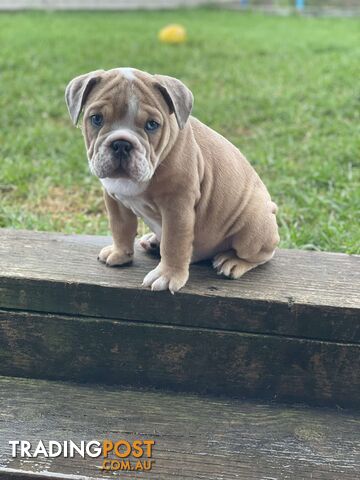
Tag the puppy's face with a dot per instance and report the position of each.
(128, 123)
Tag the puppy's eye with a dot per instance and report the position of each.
(151, 125)
(97, 120)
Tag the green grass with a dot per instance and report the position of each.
(284, 90)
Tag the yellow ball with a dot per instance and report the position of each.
(172, 34)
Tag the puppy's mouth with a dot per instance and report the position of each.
(103, 167)
(119, 172)
(134, 167)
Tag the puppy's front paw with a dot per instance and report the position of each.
(163, 278)
(113, 257)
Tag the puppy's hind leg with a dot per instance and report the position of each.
(150, 243)
(251, 248)
(242, 258)
(229, 264)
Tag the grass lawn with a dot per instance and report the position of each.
(284, 90)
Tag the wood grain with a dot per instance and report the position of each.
(195, 437)
(300, 294)
(86, 349)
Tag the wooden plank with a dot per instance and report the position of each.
(195, 437)
(179, 358)
(300, 294)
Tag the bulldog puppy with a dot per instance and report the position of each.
(195, 190)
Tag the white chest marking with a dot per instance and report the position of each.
(129, 194)
(123, 187)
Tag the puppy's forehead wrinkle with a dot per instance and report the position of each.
(127, 95)
(110, 89)
(106, 87)
(99, 103)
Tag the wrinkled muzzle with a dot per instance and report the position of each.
(121, 154)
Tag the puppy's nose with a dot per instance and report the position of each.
(122, 148)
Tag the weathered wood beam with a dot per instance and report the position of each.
(196, 438)
(302, 294)
(288, 330)
(179, 358)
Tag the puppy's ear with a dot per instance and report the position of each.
(178, 97)
(77, 92)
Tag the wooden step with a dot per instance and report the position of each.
(288, 330)
(195, 437)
